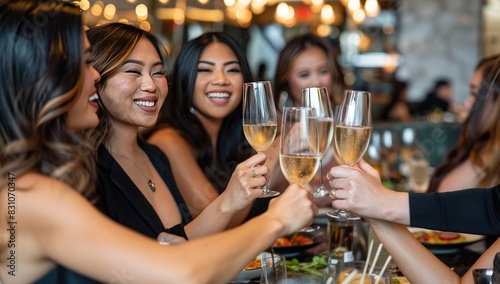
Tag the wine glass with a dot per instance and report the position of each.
(299, 151)
(352, 134)
(318, 99)
(299, 155)
(259, 119)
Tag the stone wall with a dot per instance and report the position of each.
(439, 39)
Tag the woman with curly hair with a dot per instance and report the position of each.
(49, 231)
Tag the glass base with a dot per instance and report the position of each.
(343, 214)
(309, 229)
(270, 193)
(321, 192)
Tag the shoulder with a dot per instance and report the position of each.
(43, 204)
(36, 190)
(170, 141)
(166, 134)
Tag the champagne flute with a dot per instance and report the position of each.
(299, 155)
(259, 120)
(317, 98)
(299, 151)
(352, 135)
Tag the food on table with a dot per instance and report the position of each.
(354, 277)
(297, 241)
(400, 280)
(437, 237)
(256, 263)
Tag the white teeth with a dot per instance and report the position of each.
(218, 95)
(144, 103)
(94, 97)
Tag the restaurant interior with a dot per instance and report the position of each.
(418, 42)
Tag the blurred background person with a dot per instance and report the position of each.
(305, 61)
(438, 100)
(475, 161)
(398, 108)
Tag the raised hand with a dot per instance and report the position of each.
(360, 190)
(246, 182)
(294, 208)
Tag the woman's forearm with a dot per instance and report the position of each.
(416, 262)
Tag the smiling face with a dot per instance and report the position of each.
(310, 69)
(82, 115)
(135, 92)
(219, 82)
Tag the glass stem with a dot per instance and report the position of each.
(321, 173)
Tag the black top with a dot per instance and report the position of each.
(120, 199)
(61, 275)
(474, 211)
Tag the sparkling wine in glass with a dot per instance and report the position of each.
(299, 156)
(259, 119)
(317, 98)
(352, 134)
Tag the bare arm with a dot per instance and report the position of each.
(60, 226)
(194, 186)
(243, 188)
(416, 262)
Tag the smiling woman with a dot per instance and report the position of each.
(136, 185)
(200, 128)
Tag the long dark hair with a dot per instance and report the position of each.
(41, 70)
(232, 147)
(482, 146)
(111, 45)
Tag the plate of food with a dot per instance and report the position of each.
(444, 242)
(253, 269)
(294, 245)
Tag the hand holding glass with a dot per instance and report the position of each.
(317, 98)
(259, 119)
(352, 134)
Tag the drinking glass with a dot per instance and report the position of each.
(317, 98)
(273, 270)
(259, 119)
(299, 151)
(352, 134)
(482, 276)
(299, 155)
(419, 176)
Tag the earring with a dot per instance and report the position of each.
(192, 110)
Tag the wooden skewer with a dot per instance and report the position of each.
(367, 261)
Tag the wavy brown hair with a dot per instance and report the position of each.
(41, 69)
(480, 145)
(111, 46)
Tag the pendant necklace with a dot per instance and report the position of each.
(151, 184)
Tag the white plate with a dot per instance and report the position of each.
(451, 247)
(247, 275)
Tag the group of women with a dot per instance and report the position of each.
(74, 103)
(90, 190)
